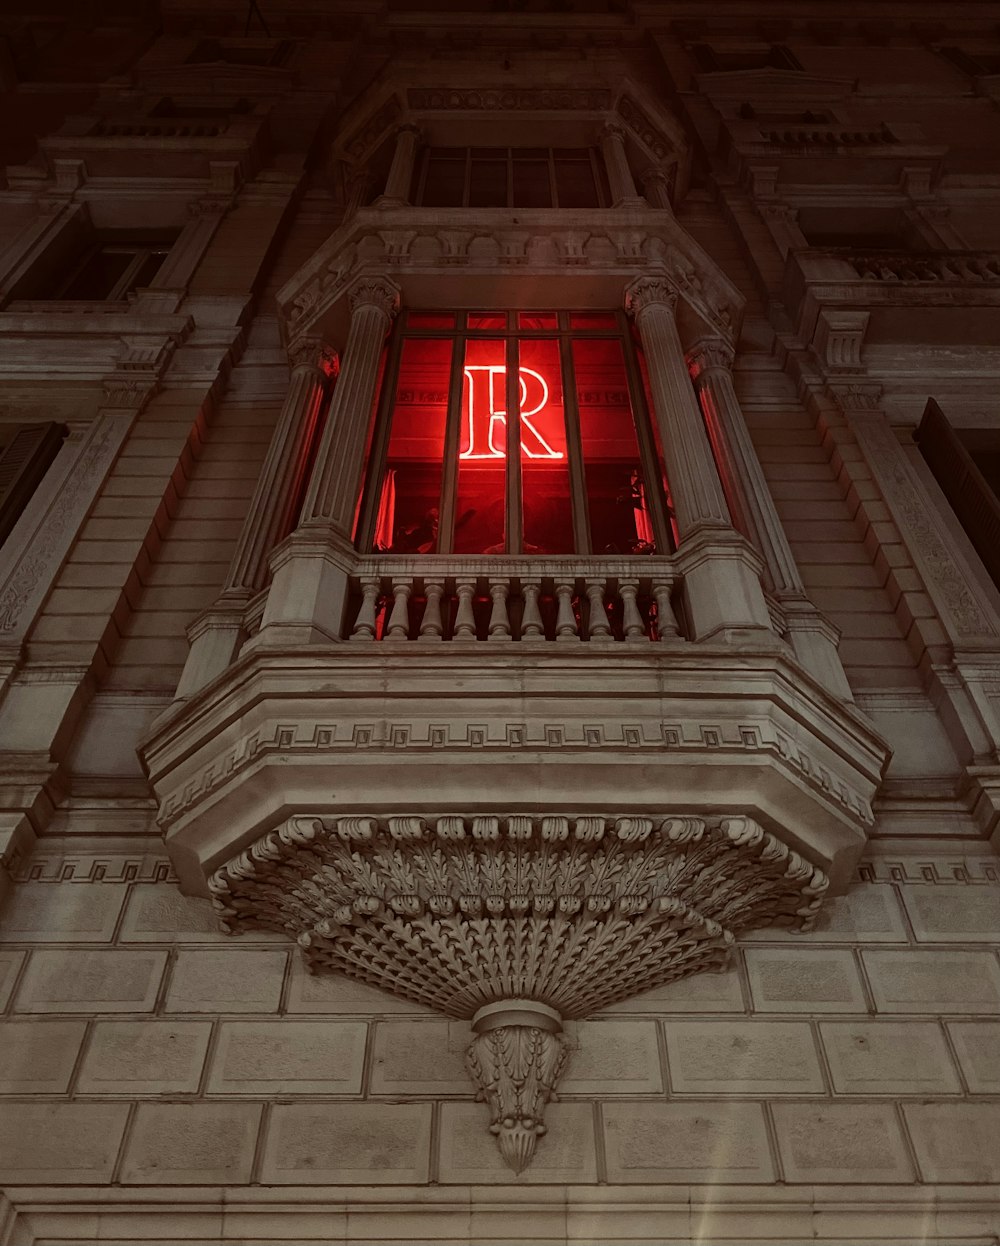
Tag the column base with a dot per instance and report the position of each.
(814, 641)
(722, 589)
(309, 588)
(214, 638)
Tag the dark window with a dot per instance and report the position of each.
(510, 177)
(26, 452)
(111, 270)
(966, 464)
(239, 52)
(578, 472)
(976, 65)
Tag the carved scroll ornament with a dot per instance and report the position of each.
(516, 923)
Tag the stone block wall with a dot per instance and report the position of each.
(139, 1046)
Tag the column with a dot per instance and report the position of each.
(397, 184)
(623, 191)
(721, 571)
(812, 637)
(310, 569)
(216, 634)
(656, 183)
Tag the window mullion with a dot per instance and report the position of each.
(652, 473)
(124, 282)
(452, 440)
(380, 445)
(514, 514)
(468, 177)
(510, 177)
(574, 447)
(553, 187)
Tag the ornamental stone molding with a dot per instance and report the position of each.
(516, 923)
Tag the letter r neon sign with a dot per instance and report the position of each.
(485, 413)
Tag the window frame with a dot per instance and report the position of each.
(126, 283)
(597, 172)
(649, 456)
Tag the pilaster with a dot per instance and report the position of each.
(397, 184)
(623, 190)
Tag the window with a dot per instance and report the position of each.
(511, 177)
(111, 269)
(26, 453)
(976, 65)
(719, 60)
(966, 465)
(578, 472)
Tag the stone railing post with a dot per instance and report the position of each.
(721, 571)
(397, 184)
(812, 637)
(620, 180)
(310, 569)
(215, 635)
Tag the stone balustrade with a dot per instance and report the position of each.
(827, 136)
(945, 266)
(158, 129)
(527, 600)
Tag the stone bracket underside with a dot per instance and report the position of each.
(517, 922)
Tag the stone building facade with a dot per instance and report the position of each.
(600, 806)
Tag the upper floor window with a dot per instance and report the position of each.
(511, 177)
(578, 470)
(26, 453)
(109, 269)
(729, 60)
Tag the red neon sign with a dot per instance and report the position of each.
(484, 413)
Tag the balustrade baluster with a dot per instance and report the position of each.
(632, 623)
(364, 627)
(399, 620)
(566, 626)
(431, 627)
(666, 621)
(499, 628)
(465, 619)
(532, 627)
(598, 627)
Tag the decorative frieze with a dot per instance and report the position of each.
(517, 922)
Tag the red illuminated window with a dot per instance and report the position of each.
(576, 469)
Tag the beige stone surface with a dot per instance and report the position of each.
(37, 1057)
(736, 1057)
(934, 982)
(111, 980)
(716, 1141)
(60, 1142)
(191, 1144)
(956, 1141)
(804, 980)
(288, 1057)
(886, 1057)
(347, 1144)
(868, 913)
(227, 981)
(612, 1058)
(144, 1057)
(705, 992)
(842, 1142)
(62, 913)
(332, 993)
(954, 912)
(158, 913)
(10, 965)
(977, 1045)
(426, 1057)
(470, 1155)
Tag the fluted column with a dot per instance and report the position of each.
(397, 184)
(721, 571)
(311, 568)
(333, 489)
(623, 191)
(813, 637)
(656, 186)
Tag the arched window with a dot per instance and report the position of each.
(579, 470)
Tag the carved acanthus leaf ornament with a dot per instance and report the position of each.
(516, 922)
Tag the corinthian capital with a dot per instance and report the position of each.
(708, 355)
(313, 352)
(377, 292)
(646, 291)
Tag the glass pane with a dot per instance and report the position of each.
(537, 320)
(545, 502)
(488, 184)
(482, 450)
(487, 320)
(531, 183)
(657, 443)
(151, 265)
(101, 273)
(575, 184)
(444, 186)
(408, 513)
(620, 520)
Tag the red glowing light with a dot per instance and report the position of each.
(484, 413)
